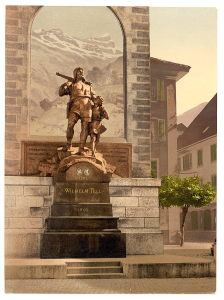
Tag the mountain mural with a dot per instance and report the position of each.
(53, 51)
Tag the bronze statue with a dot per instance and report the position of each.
(79, 106)
(99, 112)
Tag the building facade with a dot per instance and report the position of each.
(197, 155)
(164, 134)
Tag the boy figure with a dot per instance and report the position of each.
(99, 113)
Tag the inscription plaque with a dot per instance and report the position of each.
(81, 192)
(116, 154)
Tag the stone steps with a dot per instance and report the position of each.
(96, 276)
(94, 270)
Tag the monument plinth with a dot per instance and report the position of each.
(81, 224)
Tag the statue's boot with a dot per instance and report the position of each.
(68, 145)
(81, 149)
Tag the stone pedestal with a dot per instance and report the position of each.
(81, 224)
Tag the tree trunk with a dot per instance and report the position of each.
(184, 210)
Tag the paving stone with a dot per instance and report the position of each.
(112, 286)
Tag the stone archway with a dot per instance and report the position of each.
(135, 24)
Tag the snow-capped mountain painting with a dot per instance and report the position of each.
(53, 51)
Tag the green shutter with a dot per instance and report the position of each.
(214, 181)
(154, 168)
(160, 90)
(194, 220)
(161, 130)
(200, 158)
(184, 163)
(190, 160)
(207, 220)
(213, 152)
(179, 164)
(201, 182)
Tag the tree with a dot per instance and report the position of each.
(184, 192)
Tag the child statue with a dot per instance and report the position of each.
(96, 128)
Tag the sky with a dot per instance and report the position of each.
(185, 35)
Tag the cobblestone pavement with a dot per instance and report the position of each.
(113, 286)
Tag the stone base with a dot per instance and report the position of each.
(83, 245)
(144, 243)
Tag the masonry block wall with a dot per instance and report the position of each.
(27, 205)
(17, 75)
(135, 25)
(28, 201)
(136, 203)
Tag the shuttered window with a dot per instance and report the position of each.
(187, 162)
(207, 220)
(160, 90)
(213, 152)
(179, 164)
(154, 168)
(194, 220)
(200, 157)
(213, 180)
(161, 130)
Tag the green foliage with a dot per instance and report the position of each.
(177, 191)
(153, 174)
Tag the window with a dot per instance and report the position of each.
(153, 89)
(187, 162)
(200, 157)
(201, 182)
(207, 220)
(179, 164)
(160, 90)
(154, 130)
(213, 152)
(213, 180)
(154, 169)
(161, 130)
(194, 220)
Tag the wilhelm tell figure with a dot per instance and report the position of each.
(79, 106)
(99, 112)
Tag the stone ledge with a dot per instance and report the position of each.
(144, 182)
(23, 231)
(35, 272)
(26, 180)
(139, 230)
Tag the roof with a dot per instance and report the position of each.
(170, 68)
(181, 127)
(202, 127)
(157, 61)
